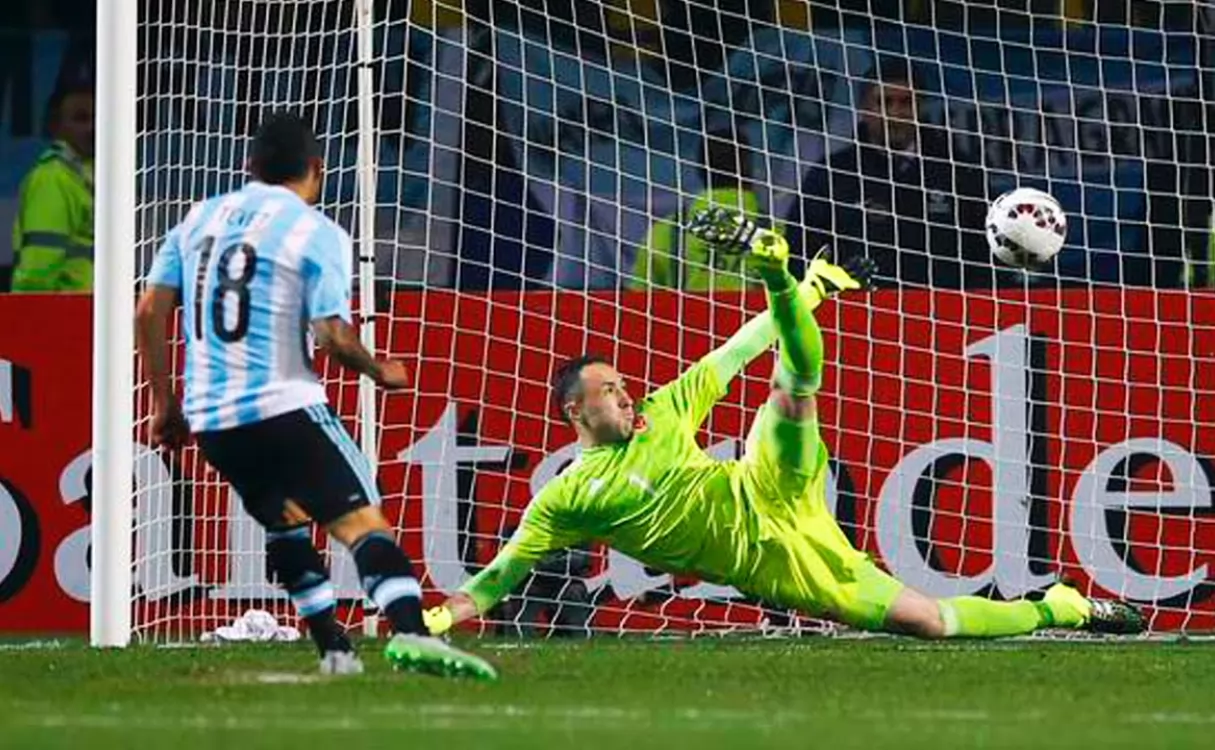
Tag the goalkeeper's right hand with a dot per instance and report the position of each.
(824, 279)
(438, 620)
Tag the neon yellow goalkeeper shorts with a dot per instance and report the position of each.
(805, 562)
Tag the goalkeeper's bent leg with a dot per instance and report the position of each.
(801, 340)
(294, 562)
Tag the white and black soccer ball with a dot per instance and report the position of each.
(1026, 228)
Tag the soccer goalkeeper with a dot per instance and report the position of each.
(760, 524)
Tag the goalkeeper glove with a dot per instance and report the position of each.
(731, 231)
(824, 279)
(437, 620)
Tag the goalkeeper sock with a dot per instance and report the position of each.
(387, 577)
(976, 617)
(801, 341)
(295, 563)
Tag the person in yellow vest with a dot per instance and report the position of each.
(53, 233)
(671, 258)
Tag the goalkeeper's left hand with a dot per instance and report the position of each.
(824, 279)
(438, 620)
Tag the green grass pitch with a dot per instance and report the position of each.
(704, 694)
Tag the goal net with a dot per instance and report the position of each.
(516, 178)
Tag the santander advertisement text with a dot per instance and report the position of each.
(980, 444)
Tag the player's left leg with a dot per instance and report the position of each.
(855, 591)
(913, 613)
(293, 561)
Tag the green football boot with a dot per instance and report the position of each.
(429, 655)
(1071, 609)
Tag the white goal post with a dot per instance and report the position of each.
(514, 175)
(113, 323)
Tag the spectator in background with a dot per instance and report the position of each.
(53, 233)
(896, 196)
(674, 259)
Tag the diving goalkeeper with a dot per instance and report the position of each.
(644, 486)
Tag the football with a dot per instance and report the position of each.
(1026, 228)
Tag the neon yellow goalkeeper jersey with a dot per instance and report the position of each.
(657, 498)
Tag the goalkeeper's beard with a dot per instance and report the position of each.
(608, 431)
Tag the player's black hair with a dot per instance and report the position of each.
(282, 147)
(567, 379)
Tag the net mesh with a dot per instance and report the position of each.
(990, 429)
(208, 73)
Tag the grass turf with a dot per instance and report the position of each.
(703, 694)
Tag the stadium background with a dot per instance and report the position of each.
(548, 193)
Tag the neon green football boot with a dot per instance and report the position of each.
(429, 655)
(1071, 609)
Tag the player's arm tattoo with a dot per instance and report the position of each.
(341, 340)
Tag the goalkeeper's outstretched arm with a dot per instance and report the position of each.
(753, 339)
(493, 584)
(549, 524)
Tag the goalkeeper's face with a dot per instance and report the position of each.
(603, 410)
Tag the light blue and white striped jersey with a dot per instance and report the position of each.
(254, 267)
